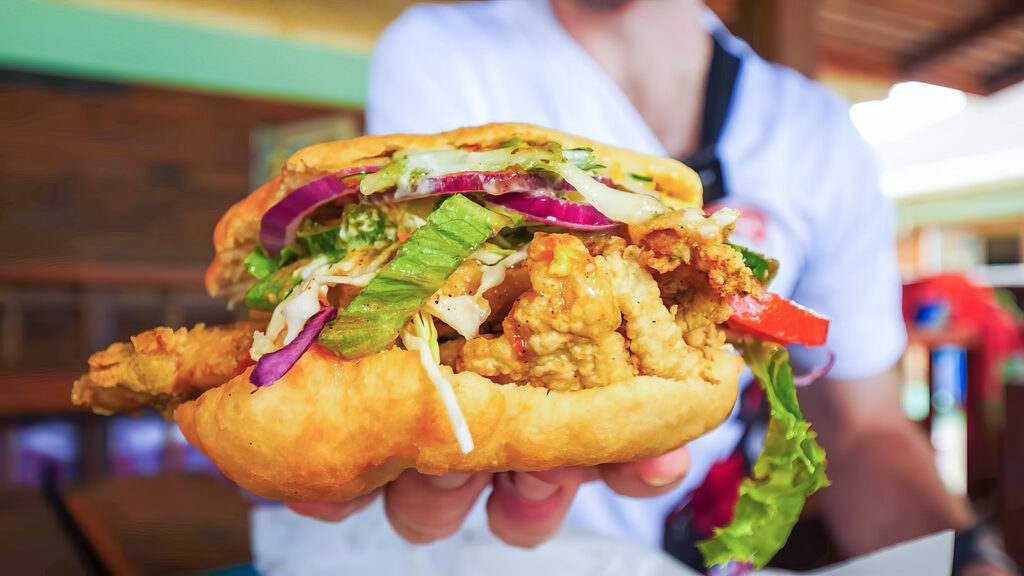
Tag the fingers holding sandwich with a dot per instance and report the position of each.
(424, 508)
(524, 508)
(333, 511)
(647, 478)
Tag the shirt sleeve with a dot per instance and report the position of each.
(419, 76)
(851, 273)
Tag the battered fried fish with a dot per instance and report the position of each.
(163, 367)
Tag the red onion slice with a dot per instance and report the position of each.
(550, 210)
(800, 380)
(273, 366)
(279, 224)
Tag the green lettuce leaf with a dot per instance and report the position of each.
(426, 259)
(259, 264)
(790, 468)
(764, 268)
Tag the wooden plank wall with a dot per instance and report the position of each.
(109, 194)
(103, 173)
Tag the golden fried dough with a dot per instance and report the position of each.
(333, 429)
(596, 361)
(234, 238)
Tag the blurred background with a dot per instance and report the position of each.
(127, 127)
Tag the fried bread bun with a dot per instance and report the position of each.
(333, 429)
(598, 347)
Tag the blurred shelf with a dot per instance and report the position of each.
(99, 275)
(32, 539)
(38, 393)
(1000, 275)
(171, 524)
(962, 337)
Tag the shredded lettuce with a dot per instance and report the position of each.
(421, 329)
(764, 268)
(420, 335)
(409, 165)
(513, 238)
(359, 225)
(456, 229)
(273, 288)
(583, 158)
(790, 468)
(571, 164)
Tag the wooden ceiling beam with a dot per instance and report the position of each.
(1003, 77)
(783, 31)
(941, 49)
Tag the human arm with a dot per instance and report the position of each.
(885, 487)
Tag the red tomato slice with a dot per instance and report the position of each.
(777, 319)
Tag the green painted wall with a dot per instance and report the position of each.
(76, 40)
(1000, 202)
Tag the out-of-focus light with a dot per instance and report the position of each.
(953, 173)
(909, 108)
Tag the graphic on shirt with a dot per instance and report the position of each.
(751, 227)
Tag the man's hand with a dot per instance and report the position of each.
(524, 508)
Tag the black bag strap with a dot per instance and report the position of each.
(718, 94)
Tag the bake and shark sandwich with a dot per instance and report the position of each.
(496, 298)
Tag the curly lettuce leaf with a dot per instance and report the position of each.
(790, 468)
(456, 229)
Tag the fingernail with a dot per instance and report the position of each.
(323, 511)
(451, 480)
(656, 481)
(658, 475)
(531, 488)
(663, 470)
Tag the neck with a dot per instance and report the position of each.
(657, 53)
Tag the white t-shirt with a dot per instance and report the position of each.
(791, 160)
